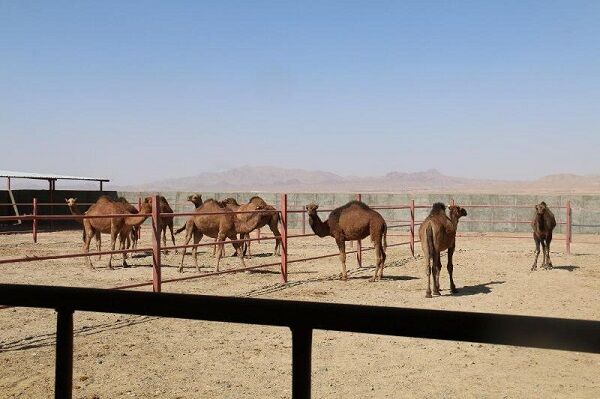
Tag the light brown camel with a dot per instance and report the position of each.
(220, 225)
(112, 226)
(72, 205)
(353, 221)
(164, 207)
(543, 224)
(270, 218)
(438, 233)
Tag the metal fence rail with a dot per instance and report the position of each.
(302, 318)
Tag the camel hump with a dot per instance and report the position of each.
(438, 207)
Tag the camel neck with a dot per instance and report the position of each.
(319, 227)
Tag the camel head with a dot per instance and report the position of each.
(541, 208)
(195, 199)
(456, 212)
(71, 201)
(312, 208)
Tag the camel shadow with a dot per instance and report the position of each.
(476, 289)
(568, 268)
(388, 278)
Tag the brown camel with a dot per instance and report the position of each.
(438, 233)
(163, 206)
(113, 226)
(353, 221)
(543, 224)
(72, 205)
(269, 218)
(220, 225)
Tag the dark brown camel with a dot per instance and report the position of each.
(218, 225)
(72, 205)
(353, 221)
(438, 233)
(269, 218)
(543, 224)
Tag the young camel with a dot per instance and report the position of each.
(543, 224)
(129, 238)
(72, 205)
(270, 218)
(353, 221)
(438, 233)
(218, 225)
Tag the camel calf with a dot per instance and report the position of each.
(543, 224)
(438, 233)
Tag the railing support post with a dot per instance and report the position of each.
(359, 242)
(301, 362)
(412, 227)
(284, 231)
(569, 228)
(63, 384)
(156, 222)
(304, 221)
(35, 222)
(257, 235)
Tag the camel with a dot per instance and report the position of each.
(128, 239)
(72, 205)
(220, 225)
(195, 199)
(269, 218)
(543, 224)
(353, 221)
(438, 233)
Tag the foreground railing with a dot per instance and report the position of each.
(302, 318)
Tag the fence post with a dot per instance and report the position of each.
(569, 228)
(139, 230)
(257, 235)
(156, 222)
(284, 229)
(359, 243)
(303, 221)
(301, 362)
(35, 222)
(63, 372)
(412, 227)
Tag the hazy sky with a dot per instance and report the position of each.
(138, 91)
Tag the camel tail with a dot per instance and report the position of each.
(179, 230)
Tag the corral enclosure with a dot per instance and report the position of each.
(127, 356)
(585, 217)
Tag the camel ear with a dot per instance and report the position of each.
(463, 211)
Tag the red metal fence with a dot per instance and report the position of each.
(408, 225)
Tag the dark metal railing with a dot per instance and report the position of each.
(302, 318)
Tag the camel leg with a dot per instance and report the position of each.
(428, 260)
(99, 243)
(436, 267)
(543, 242)
(450, 270)
(537, 252)
(248, 245)
(380, 258)
(86, 249)
(188, 237)
(113, 242)
(342, 247)
(221, 249)
(197, 238)
(164, 238)
(548, 261)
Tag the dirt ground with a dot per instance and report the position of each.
(131, 356)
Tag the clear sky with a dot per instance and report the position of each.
(138, 91)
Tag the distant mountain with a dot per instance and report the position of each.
(273, 179)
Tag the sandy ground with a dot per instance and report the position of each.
(127, 356)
